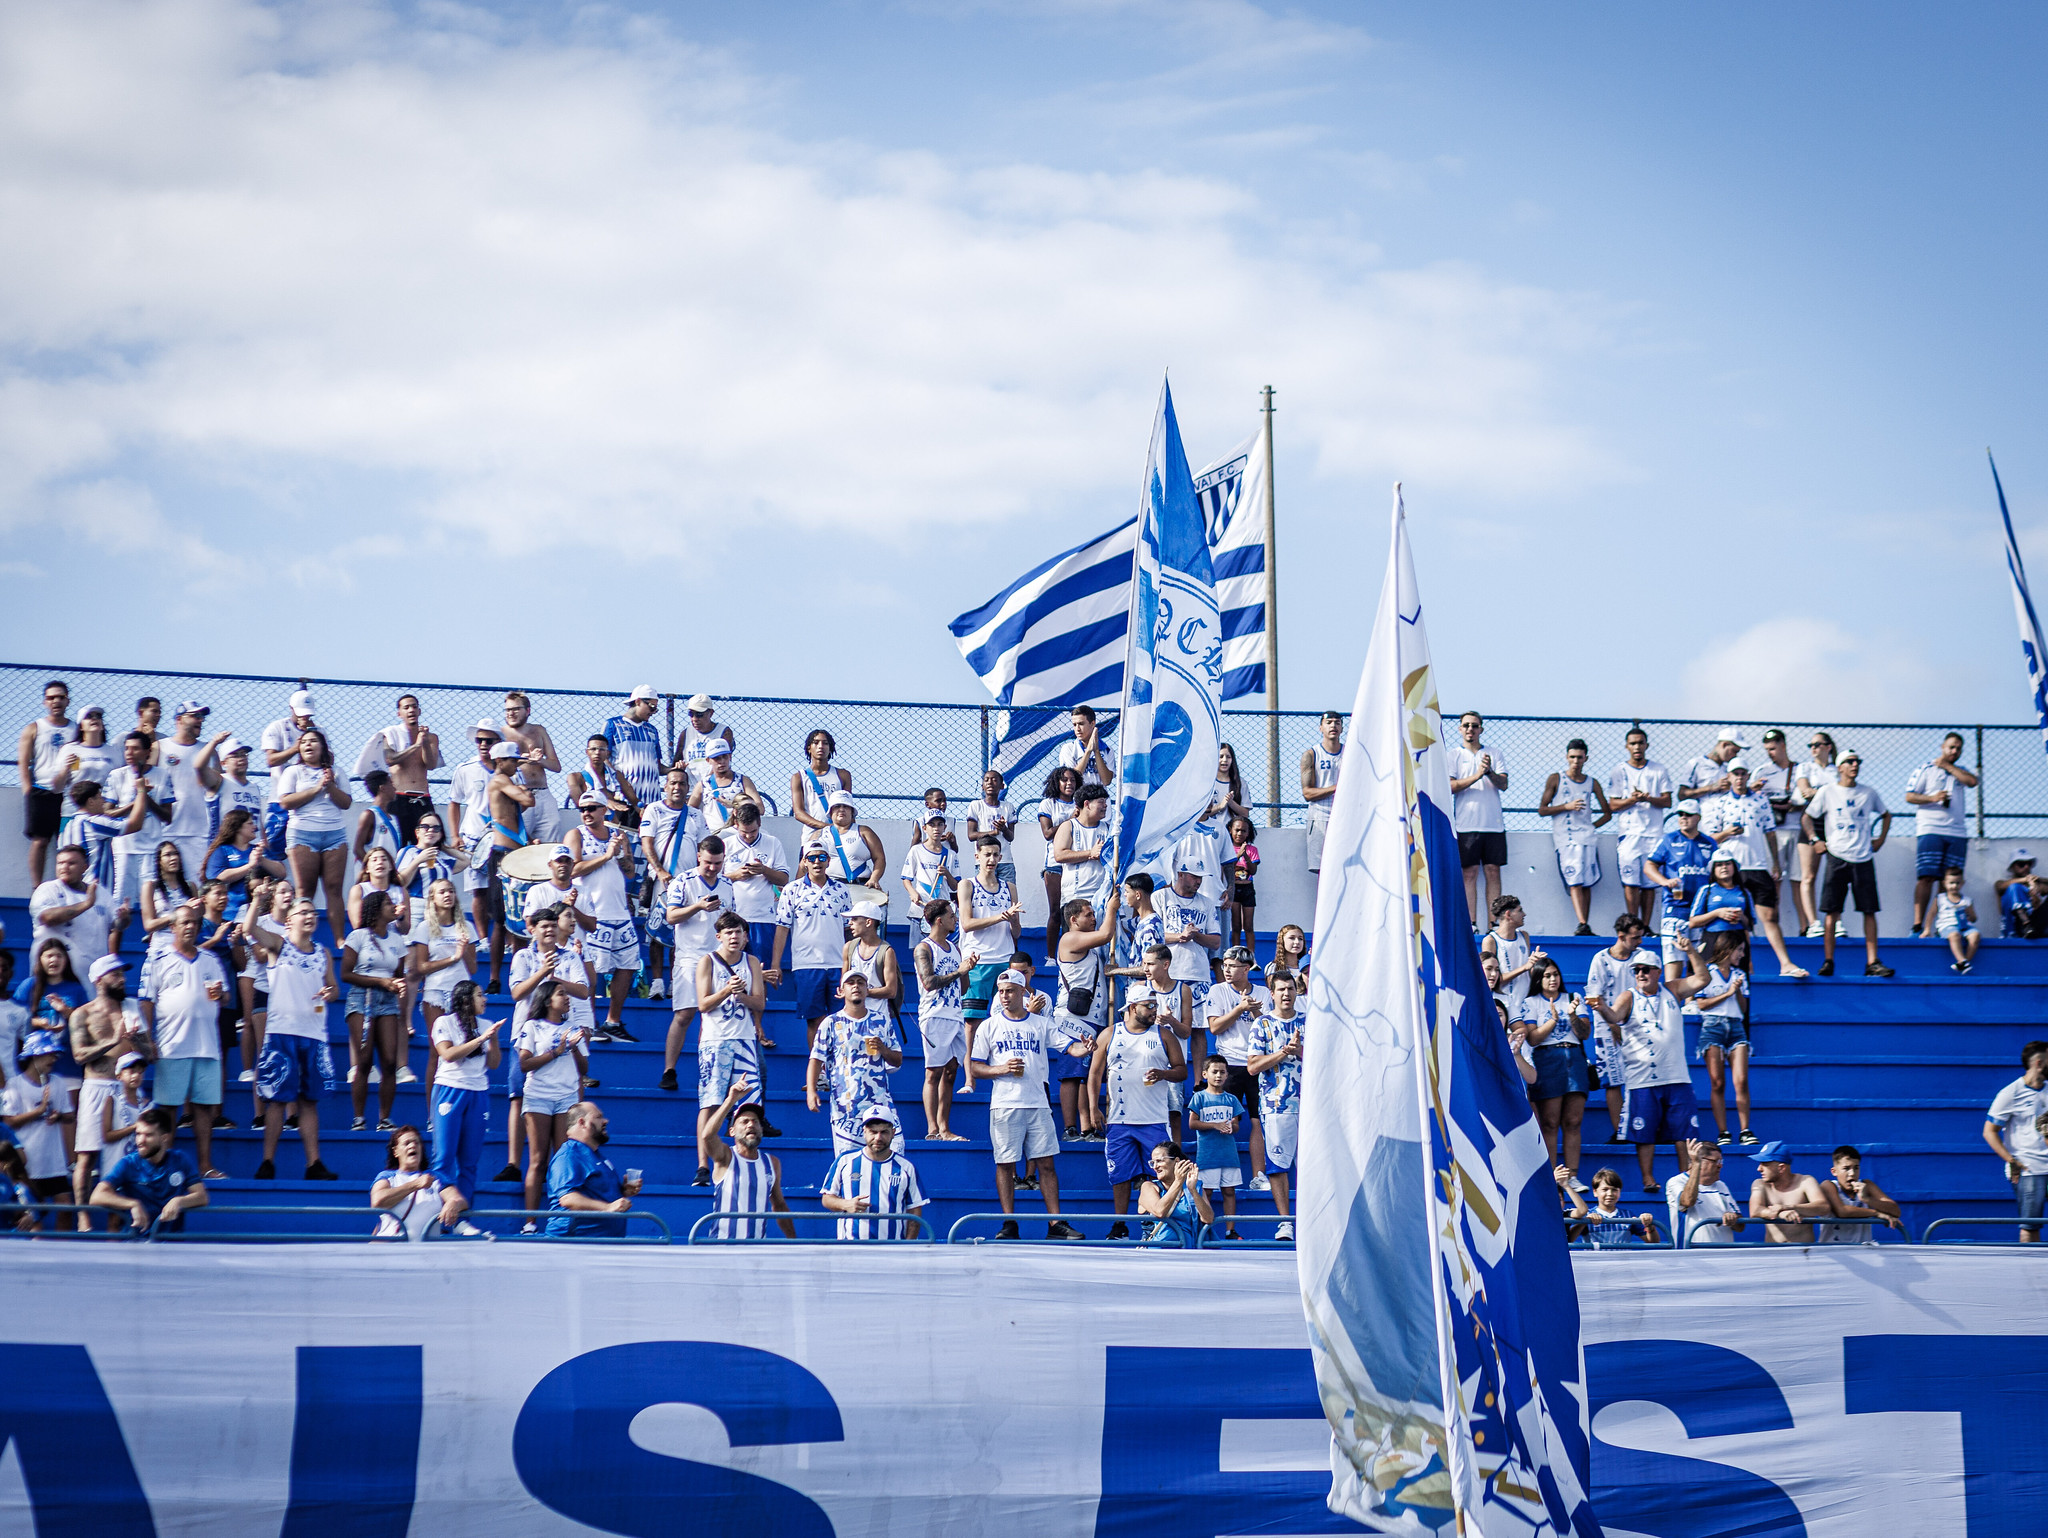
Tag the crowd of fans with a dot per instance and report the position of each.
(511, 923)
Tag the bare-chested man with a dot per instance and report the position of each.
(509, 801)
(102, 1033)
(1779, 1193)
(537, 762)
(410, 751)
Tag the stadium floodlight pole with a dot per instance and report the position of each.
(1272, 627)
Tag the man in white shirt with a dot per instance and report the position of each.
(1638, 795)
(1742, 821)
(1185, 917)
(1941, 831)
(77, 910)
(468, 821)
(1319, 768)
(134, 779)
(1856, 823)
(2016, 1128)
(1707, 775)
(702, 729)
(1085, 753)
(636, 744)
(280, 746)
(1010, 1054)
(1137, 1062)
(42, 741)
(1228, 1013)
(1703, 1209)
(1649, 1026)
(187, 770)
(1478, 776)
(1608, 978)
(604, 862)
(669, 830)
(758, 868)
(692, 904)
(406, 752)
(874, 1179)
(190, 984)
(812, 912)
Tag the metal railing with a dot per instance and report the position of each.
(897, 749)
(1078, 1221)
(1927, 1233)
(208, 1216)
(1686, 1231)
(924, 1227)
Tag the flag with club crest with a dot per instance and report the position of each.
(1172, 725)
(1441, 1307)
(2023, 605)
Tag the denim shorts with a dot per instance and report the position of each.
(547, 1102)
(320, 841)
(371, 1002)
(2033, 1195)
(1724, 1031)
(1934, 853)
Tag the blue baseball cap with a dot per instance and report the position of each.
(1773, 1153)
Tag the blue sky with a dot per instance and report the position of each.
(705, 339)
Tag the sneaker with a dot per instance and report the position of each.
(1877, 969)
(318, 1171)
(222, 1123)
(1579, 1185)
(532, 1226)
(267, 1170)
(1008, 1230)
(357, 1125)
(1725, 1138)
(1816, 930)
(659, 990)
(465, 1229)
(406, 1075)
(1966, 967)
(1957, 967)
(247, 1076)
(1059, 1230)
(1071, 1134)
(702, 1177)
(386, 1124)
(1914, 931)
(593, 1083)
(619, 1033)
(1827, 969)
(1027, 1183)
(768, 1131)
(668, 1078)
(1231, 1233)
(509, 1172)
(1583, 929)
(1119, 1231)
(1749, 1139)
(1260, 1182)
(291, 1119)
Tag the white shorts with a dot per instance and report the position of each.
(1579, 864)
(719, 1064)
(93, 1096)
(1280, 1129)
(612, 948)
(945, 1039)
(682, 982)
(1633, 850)
(1022, 1132)
(128, 880)
(1222, 1180)
(1607, 1056)
(1318, 830)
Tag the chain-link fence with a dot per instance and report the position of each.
(897, 749)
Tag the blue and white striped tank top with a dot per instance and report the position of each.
(744, 1185)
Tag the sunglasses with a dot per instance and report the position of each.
(816, 859)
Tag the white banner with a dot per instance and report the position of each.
(804, 1392)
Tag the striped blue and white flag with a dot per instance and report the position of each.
(1441, 1307)
(1232, 493)
(2023, 604)
(1172, 715)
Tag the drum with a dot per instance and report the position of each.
(857, 894)
(519, 872)
(513, 895)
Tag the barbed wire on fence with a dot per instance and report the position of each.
(897, 749)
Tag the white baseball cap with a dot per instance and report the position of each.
(104, 966)
(590, 798)
(131, 1060)
(1012, 978)
(233, 746)
(1724, 855)
(562, 852)
(1688, 808)
(839, 798)
(505, 750)
(488, 725)
(643, 692)
(1645, 959)
(699, 704)
(879, 912)
(718, 747)
(302, 703)
(1734, 734)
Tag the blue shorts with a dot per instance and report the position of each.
(1724, 1031)
(1129, 1151)
(1934, 853)
(817, 992)
(1560, 1070)
(457, 1126)
(319, 841)
(275, 819)
(1661, 1113)
(980, 993)
(187, 1081)
(294, 1068)
(515, 1078)
(761, 940)
(1066, 1066)
(371, 1003)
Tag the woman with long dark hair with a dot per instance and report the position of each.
(316, 832)
(373, 964)
(468, 1049)
(1559, 1024)
(1062, 795)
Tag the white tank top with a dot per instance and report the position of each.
(296, 977)
(1574, 827)
(694, 743)
(1133, 1102)
(733, 1020)
(601, 892)
(850, 858)
(996, 939)
(50, 742)
(1086, 973)
(870, 967)
(1327, 765)
(1090, 881)
(1511, 954)
(941, 1003)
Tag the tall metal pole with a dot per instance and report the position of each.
(1272, 629)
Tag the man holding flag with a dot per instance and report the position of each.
(1434, 1273)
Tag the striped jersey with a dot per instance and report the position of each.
(890, 1186)
(744, 1185)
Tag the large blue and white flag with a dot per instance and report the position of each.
(1172, 716)
(2023, 603)
(1232, 494)
(1431, 1251)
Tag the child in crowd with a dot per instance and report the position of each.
(935, 801)
(1955, 920)
(1244, 868)
(1604, 1226)
(1290, 953)
(1508, 943)
(38, 1112)
(993, 817)
(1213, 1115)
(1138, 926)
(1724, 1032)
(2020, 905)
(1855, 1197)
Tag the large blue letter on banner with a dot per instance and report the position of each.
(573, 1451)
(74, 1460)
(355, 1442)
(1998, 1384)
(1714, 1392)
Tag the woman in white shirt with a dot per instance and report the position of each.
(316, 831)
(1558, 1024)
(443, 955)
(1812, 777)
(407, 1191)
(1062, 791)
(426, 860)
(551, 1055)
(379, 1003)
(380, 874)
(992, 816)
(468, 1049)
(164, 892)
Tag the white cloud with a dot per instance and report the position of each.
(562, 289)
(1800, 669)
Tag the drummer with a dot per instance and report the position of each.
(508, 799)
(856, 852)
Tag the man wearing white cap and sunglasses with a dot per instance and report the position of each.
(1010, 1052)
(637, 750)
(468, 820)
(1648, 1023)
(697, 736)
(1707, 775)
(280, 746)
